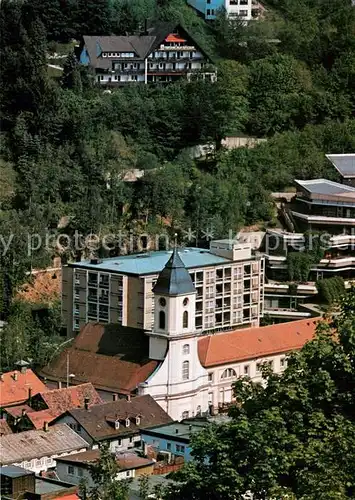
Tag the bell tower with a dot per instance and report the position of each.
(174, 306)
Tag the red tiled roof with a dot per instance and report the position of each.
(61, 400)
(4, 427)
(39, 417)
(16, 411)
(73, 496)
(174, 38)
(111, 357)
(254, 343)
(14, 387)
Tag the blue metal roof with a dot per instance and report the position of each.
(154, 262)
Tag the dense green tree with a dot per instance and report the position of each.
(291, 438)
(71, 78)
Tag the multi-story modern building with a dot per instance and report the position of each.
(321, 211)
(243, 9)
(164, 53)
(228, 278)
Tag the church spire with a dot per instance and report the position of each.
(174, 279)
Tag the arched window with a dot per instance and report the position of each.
(185, 370)
(185, 319)
(162, 320)
(228, 373)
(186, 349)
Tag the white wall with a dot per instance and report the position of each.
(74, 473)
(41, 464)
(220, 388)
(116, 444)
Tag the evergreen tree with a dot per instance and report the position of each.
(71, 78)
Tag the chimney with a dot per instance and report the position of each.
(176, 431)
(30, 393)
(15, 376)
(114, 397)
(45, 426)
(86, 403)
(128, 397)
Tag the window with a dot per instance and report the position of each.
(180, 448)
(70, 470)
(283, 362)
(128, 473)
(258, 367)
(210, 377)
(186, 349)
(162, 320)
(198, 410)
(228, 373)
(208, 12)
(162, 302)
(185, 319)
(80, 472)
(185, 370)
(186, 301)
(185, 414)
(168, 446)
(246, 369)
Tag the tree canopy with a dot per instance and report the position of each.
(293, 437)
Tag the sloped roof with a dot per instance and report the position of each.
(14, 386)
(61, 400)
(141, 45)
(97, 420)
(127, 460)
(111, 357)
(4, 427)
(174, 279)
(344, 163)
(253, 343)
(15, 448)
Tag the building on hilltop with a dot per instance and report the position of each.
(323, 209)
(228, 277)
(241, 9)
(164, 53)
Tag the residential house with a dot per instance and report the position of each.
(164, 53)
(17, 482)
(345, 165)
(240, 9)
(19, 385)
(75, 468)
(46, 406)
(173, 440)
(119, 423)
(37, 450)
(229, 281)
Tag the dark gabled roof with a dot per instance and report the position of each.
(141, 45)
(174, 279)
(97, 420)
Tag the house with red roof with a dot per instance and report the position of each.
(17, 386)
(45, 406)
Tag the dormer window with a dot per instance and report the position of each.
(138, 420)
(117, 424)
(128, 422)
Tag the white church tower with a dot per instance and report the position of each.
(180, 383)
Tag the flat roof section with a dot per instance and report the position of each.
(323, 186)
(344, 163)
(153, 262)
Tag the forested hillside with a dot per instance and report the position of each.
(64, 146)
